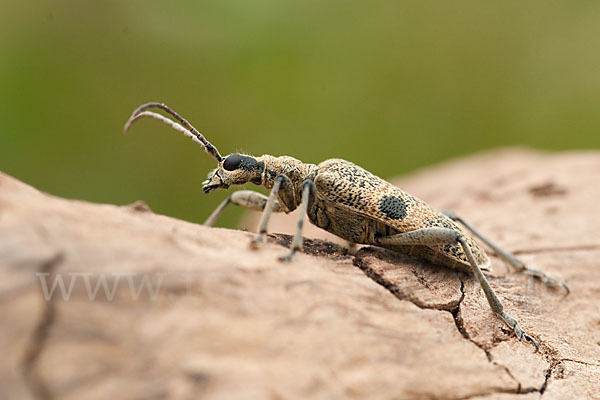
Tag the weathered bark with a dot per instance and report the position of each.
(223, 321)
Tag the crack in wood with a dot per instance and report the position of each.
(323, 248)
(580, 362)
(39, 337)
(547, 378)
(395, 290)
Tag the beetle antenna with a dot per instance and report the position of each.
(181, 126)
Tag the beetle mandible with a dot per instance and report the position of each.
(351, 203)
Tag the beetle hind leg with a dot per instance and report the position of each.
(351, 247)
(514, 262)
(438, 235)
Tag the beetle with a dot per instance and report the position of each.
(353, 204)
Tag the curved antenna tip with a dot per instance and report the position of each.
(139, 110)
(181, 125)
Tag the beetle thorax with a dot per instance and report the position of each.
(294, 169)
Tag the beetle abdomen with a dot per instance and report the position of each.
(345, 188)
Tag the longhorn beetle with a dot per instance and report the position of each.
(351, 203)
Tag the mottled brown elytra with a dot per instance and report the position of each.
(351, 203)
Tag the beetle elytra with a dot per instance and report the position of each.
(351, 203)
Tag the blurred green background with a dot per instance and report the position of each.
(392, 86)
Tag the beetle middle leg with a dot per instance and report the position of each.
(513, 261)
(438, 235)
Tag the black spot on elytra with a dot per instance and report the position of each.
(393, 207)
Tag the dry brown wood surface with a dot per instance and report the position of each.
(153, 307)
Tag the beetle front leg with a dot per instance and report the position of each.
(245, 198)
(283, 189)
(436, 236)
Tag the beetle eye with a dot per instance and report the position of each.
(232, 162)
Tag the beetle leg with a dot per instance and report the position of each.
(351, 247)
(438, 235)
(513, 261)
(308, 190)
(269, 207)
(286, 195)
(245, 198)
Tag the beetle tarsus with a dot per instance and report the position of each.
(287, 257)
(257, 241)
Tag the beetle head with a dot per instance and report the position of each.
(235, 169)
